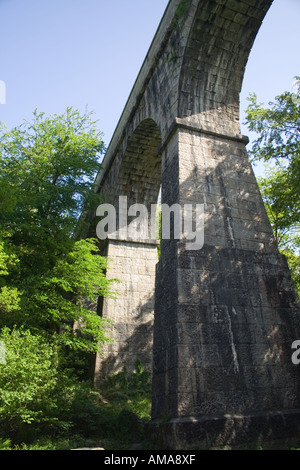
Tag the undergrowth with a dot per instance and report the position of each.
(111, 417)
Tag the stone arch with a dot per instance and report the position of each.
(139, 176)
(216, 54)
(133, 260)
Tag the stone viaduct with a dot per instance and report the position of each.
(225, 316)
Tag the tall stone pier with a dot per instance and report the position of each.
(226, 315)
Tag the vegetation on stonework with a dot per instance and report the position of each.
(125, 407)
(181, 10)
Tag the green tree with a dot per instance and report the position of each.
(28, 380)
(47, 278)
(9, 296)
(47, 168)
(278, 142)
(38, 398)
(281, 204)
(278, 146)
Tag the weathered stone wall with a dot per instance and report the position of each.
(226, 315)
(136, 174)
(215, 171)
(132, 310)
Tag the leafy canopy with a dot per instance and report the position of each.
(48, 280)
(278, 146)
(47, 169)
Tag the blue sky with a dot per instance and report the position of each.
(59, 53)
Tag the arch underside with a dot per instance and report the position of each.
(137, 177)
(215, 58)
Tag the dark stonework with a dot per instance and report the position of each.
(272, 430)
(222, 355)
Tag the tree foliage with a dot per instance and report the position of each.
(28, 378)
(278, 146)
(47, 168)
(282, 205)
(38, 398)
(47, 278)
